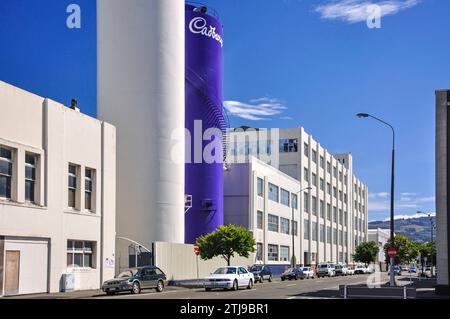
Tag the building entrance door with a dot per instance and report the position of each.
(12, 266)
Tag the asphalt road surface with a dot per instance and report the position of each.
(295, 289)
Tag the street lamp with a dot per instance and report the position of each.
(431, 224)
(298, 194)
(365, 115)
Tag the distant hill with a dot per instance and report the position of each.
(416, 229)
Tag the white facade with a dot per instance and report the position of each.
(48, 226)
(141, 90)
(381, 238)
(336, 206)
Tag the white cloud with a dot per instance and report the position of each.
(261, 109)
(411, 216)
(380, 202)
(353, 11)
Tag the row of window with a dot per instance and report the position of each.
(331, 235)
(277, 224)
(278, 194)
(30, 179)
(275, 252)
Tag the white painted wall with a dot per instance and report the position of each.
(141, 91)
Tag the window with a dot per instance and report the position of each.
(329, 188)
(334, 214)
(335, 171)
(284, 197)
(6, 164)
(328, 234)
(314, 206)
(288, 145)
(306, 229)
(322, 209)
(259, 220)
(306, 202)
(314, 231)
(328, 167)
(345, 218)
(329, 212)
(273, 192)
(306, 174)
(80, 254)
(314, 179)
(341, 256)
(322, 162)
(306, 149)
(259, 251)
(88, 178)
(284, 253)
(341, 196)
(346, 179)
(73, 170)
(341, 237)
(345, 198)
(314, 156)
(341, 217)
(346, 238)
(334, 192)
(294, 201)
(322, 184)
(273, 252)
(356, 223)
(30, 177)
(284, 226)
(295, 228)
(340, 176)
(273, 223)
(322, 233)
(335, 236)
(260, 187)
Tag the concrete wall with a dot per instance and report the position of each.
(59, 135)
(179, 262)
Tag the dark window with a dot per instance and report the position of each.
(5, 173)
(30, 177)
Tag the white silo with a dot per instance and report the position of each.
(141, 90)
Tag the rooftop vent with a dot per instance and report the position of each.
(74, 105)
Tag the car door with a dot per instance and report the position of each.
(243, 276)
(150, 278)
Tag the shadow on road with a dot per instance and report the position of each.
(327, 293)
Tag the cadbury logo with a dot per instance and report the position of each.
(198, 26)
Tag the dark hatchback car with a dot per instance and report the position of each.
(293, 273)
(261, 273)
(136, 279)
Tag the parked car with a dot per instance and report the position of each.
(397, 271)
(360, 270)
(369, 270)
(308, 272)
(426, 273)
(293, 273)
(261, 273)
(412, 270)
(338, 270)
(325, 270)
(344, 269)
(229, 278)
(405, 268)
(350, 271)
(136, 279)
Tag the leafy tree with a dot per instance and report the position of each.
(366, 252)
(406, 250)
(427, 250)
(226, 241)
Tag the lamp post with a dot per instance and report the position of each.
(293, 259)
(431, 224)
(391, 266)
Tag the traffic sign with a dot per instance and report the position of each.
(392, 252)
(196, 250)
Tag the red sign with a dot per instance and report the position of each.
(196, 250)
(392, 252)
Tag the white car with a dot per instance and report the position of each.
(232, 277)
(308, 272)
(344, 270)
(360, 270)
(350, 271)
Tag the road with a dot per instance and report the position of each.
(295, 289)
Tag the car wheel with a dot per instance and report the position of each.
(110, 293)
(160, 286)
(261, 279)
(207, 289)
(136, 288)
(282, 278)
(296, 277)
(270, 278)
(235, 285)
(250, 284)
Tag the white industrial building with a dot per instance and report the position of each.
(57, 196)
(380, 237)
(333, 213)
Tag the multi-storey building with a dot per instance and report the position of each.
(57, 196)
(333, 211)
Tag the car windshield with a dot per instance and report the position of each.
(128, 273)
(256, 268)
(290, 270)
(225, 271)
(305, 269)
(323, 266)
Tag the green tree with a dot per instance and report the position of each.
(427, 250)
(366, 252)
(406, 250)
(226, 241)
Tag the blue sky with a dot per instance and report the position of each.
(316, 61)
